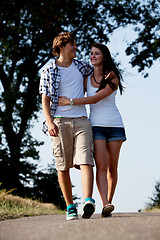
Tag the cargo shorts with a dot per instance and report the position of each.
(74, 145)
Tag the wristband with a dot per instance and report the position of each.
(71, 101)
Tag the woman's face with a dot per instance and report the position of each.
(96, 56)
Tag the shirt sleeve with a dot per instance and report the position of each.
(88, 70)
(44, 86)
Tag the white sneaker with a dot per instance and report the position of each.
(71, 214)
(88, 208)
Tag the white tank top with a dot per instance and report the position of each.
(104, 113)
(71, 86)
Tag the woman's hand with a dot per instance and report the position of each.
(110, 75)
(63, 101)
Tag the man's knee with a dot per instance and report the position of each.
(86, 167)
(63, 172)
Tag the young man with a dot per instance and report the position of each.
(68, 126)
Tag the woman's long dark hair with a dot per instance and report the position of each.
(108, 66)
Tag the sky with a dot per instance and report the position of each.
(139, 162)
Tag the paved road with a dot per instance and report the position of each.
(121, 226)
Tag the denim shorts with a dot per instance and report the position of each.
(109, 133)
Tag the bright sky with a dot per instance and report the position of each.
(139, 163)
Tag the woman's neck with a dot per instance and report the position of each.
(98, 72)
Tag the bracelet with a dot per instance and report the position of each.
(71, 101)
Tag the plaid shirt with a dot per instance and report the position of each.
(50, 80)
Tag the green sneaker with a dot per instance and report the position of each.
(71, 212)
(88, 208)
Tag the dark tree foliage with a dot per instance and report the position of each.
(27, 29)
(155, 200)
(46, 188)
(146, 48)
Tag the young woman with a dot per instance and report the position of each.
(107, 124)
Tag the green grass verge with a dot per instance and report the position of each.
(16, 207)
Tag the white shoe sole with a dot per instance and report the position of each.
(88, 209)
(71, 218)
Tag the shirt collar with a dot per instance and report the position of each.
(54, 64)
(56, 67)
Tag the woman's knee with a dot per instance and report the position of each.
(112, 170)
(101, 167)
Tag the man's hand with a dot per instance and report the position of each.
(53, 129)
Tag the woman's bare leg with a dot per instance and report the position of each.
(101, 169)
(113, 150)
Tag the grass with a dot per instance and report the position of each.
(16, 207)
(153, 209)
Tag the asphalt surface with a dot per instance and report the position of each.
(121, 226)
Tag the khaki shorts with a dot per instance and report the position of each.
(74, 145)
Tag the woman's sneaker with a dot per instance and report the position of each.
(71, 212)
(88, 208)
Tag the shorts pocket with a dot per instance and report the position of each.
(58, 154)
(57, 150)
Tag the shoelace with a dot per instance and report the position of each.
(72, 210)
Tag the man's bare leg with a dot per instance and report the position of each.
(87, 185)
(87, 180)
(65, 185)
(66, 188)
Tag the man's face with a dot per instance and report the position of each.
(70, 50)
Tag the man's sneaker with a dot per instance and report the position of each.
(71, 212)
(88, 208)
(106, 211)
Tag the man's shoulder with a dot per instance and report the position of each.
(49, 66)
(79, 62)
(84, 67)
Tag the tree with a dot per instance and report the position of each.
(46, 188)
(155, 200)
(146, 48)
(26, 33)
(27, 29)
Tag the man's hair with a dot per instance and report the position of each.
(61, 40)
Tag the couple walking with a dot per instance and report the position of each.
(77, 141)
